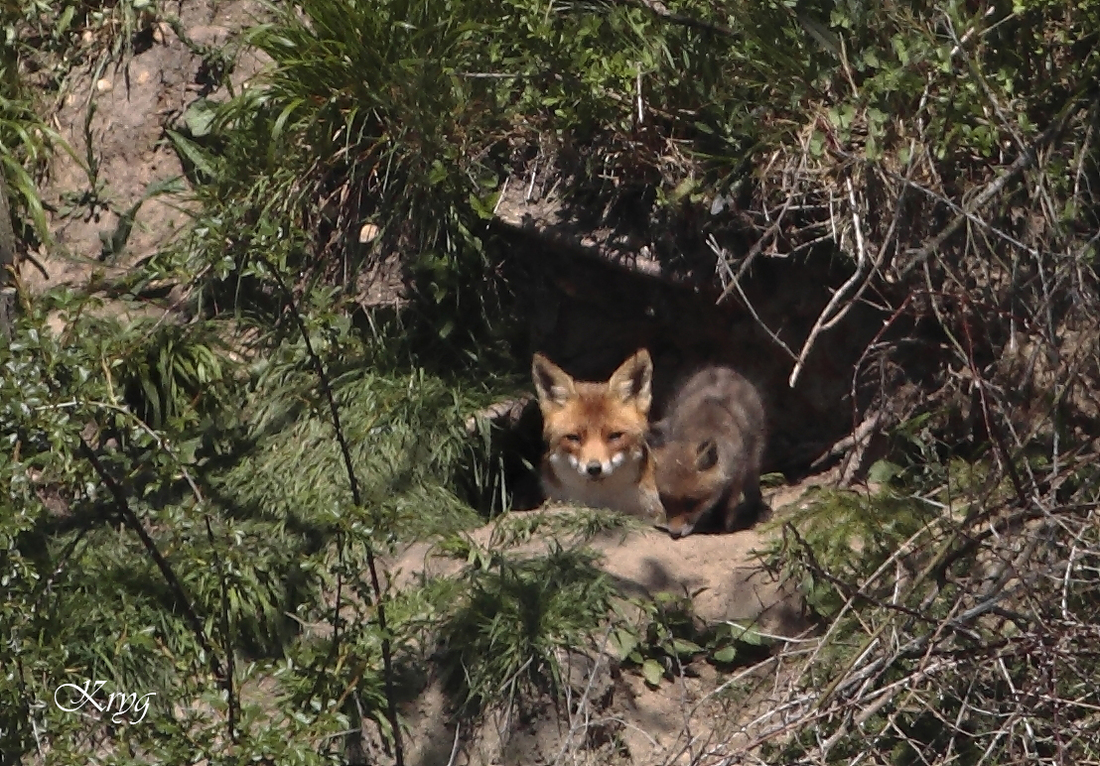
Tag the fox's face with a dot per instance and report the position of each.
(594, 429)
(690, 482)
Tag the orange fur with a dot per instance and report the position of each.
(596, 437)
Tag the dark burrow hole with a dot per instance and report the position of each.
(588, 313)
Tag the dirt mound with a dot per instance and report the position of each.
(116, 211)
(612, 716)
(720, 572)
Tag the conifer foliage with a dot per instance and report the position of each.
(199, 508)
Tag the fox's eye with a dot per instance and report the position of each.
(615, 436)
(573, 438)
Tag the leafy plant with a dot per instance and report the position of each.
(667, 637)
(25, 140)
(180, 489)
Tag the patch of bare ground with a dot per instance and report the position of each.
(117, 115)
(611, 715)
(585, 314)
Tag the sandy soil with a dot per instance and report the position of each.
(616, 718)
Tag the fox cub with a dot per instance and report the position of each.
(595, 434)
(707, 452)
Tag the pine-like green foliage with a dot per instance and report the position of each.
(238, 483)
(856, 533)
(516, 615)
(959, 600)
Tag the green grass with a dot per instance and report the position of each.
(25, 141)
(408, 116)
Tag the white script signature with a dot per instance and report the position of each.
(81, 695)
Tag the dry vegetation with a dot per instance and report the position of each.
(214, 439)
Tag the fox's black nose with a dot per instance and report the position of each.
(594, 469)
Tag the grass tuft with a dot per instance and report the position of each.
(501, 645)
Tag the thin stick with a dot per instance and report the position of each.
(372, 567)
(863, 272)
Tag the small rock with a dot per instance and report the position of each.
(208, 35)
(368, 233)
(103, 85)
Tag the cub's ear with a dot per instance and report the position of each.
(657, 435)
(553, 385)
(633, 381)
(706, 455)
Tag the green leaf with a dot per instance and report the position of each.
(682, 189)
(195, 155)
(817, 144)
(752, 638)
(438, 173)
(624, 642)
(186, 450)
(684, 648)
(882, 472)
(199, 117)
(280, 122)
(726, 654)
(653, 672)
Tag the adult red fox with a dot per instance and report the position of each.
(707, 452)
(595, 433)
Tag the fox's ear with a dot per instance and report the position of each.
(553, 385)
(657, 434)
(706, 455)
(633, 381)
